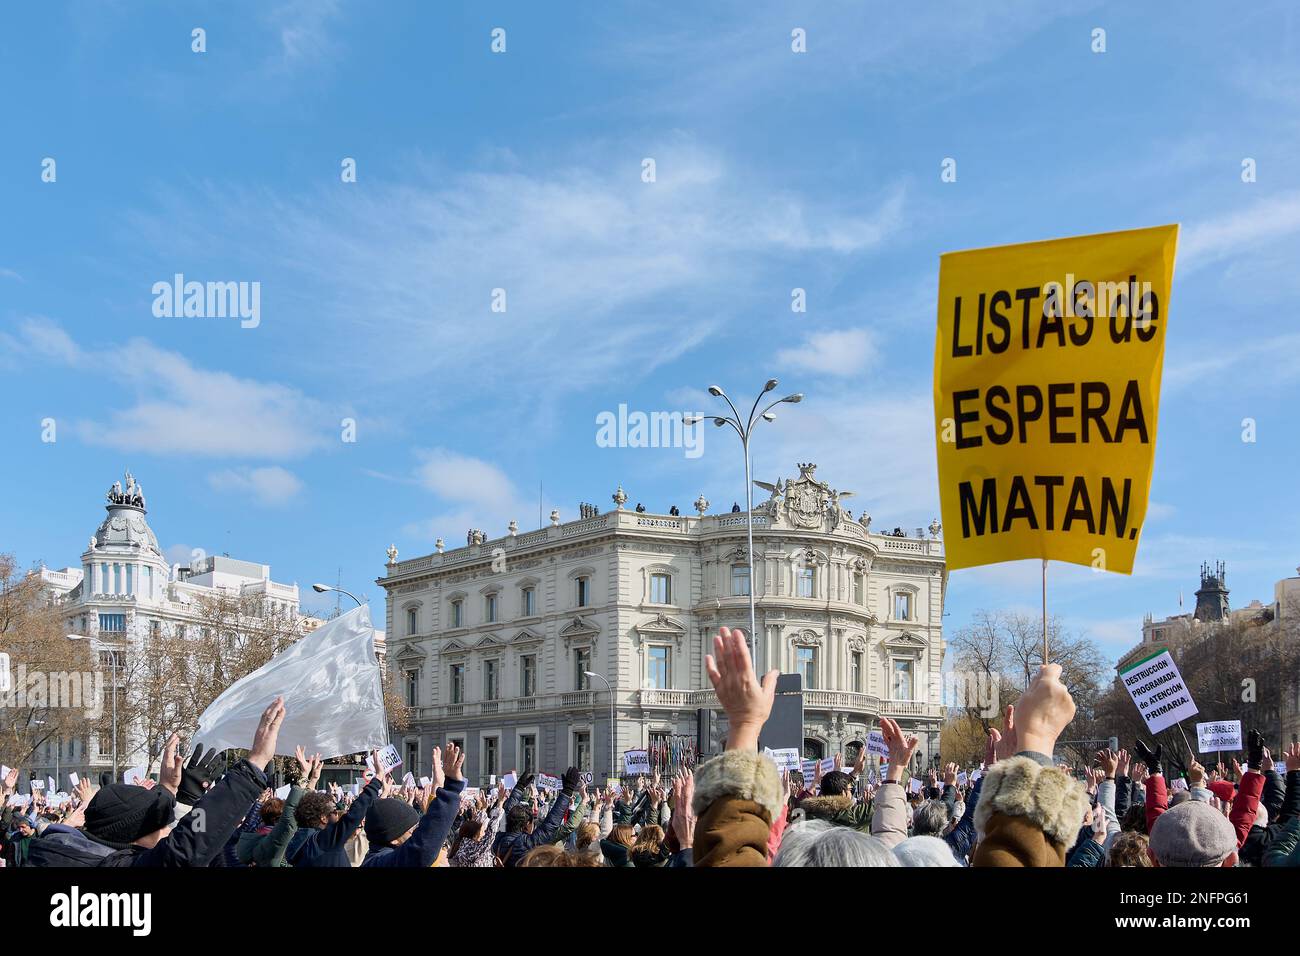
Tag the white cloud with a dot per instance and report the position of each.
(841, 352)
(1264, 221)
(10, 274)
(304, 30)
(271, 485)
(473, 493)
(593, 262)
(179, 408)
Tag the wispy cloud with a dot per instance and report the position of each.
(840, 352)
(1241, 232)
(614, 275)
(304, 30)
(169, 405)
(271, 485)
(469, 493)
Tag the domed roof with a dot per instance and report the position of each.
(125, 527)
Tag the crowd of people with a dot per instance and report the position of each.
(1018, 809)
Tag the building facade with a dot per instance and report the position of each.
(493, 643)
(123, 594)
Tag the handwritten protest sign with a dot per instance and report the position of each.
(876, 744)
(509, 780)
(547, 782)
(74, 780)
(37, 785)
(636, 761)
(914, 785)
(1158, 691)
(785, 758)
(1047, 371)
(1178, 783)
(1218, 735)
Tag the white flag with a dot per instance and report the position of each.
(332, 693)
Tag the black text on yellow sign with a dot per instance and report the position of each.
(1046, 391)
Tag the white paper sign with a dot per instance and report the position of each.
(37, 785)
(135, 776)
(546, 782)
(50, 785)
(356, 789)
(636, 761)
(786, 758)
(4, 771)
(282, 792)
(510, 780)
(6, 682)
(389, 760)
(1178, 783)
(74, 780)
(425, 781)
(914, 786)
(876, 744)
(469, 793)
(962, 777)
(1218, 735)
(408, 780)
(1158, 690)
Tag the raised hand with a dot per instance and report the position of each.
(202, 771)
(1043, 711)
(1109, 761)
(1254, 749)
(860, 762)
(1195, 775)
(437, 774)
(268, 732)
(1098, 825)
(901, 748)
(683, 819)
(1292, 755)
(1150, 757)
(991, 747)
(1008, 745)
(1266, 761)
(172, 767)
(950, 775)
(453, 759)
(1121, 763)
(9, 784)
(746, 702)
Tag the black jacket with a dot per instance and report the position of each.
(201, 833)
(511, 847)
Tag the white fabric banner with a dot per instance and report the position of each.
(332, 693)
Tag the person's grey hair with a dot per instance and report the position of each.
(930, 818)
(925, 851)
(821, 843)
(1179, 797)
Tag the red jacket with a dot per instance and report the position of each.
(1244, 805)
(1157, 799)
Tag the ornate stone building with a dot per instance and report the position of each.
(493, 642)
(124, 594)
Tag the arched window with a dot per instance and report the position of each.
(813, 749)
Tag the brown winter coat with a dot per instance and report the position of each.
(737, 795)
(1028, 815)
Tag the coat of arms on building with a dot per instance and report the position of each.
(804, 502)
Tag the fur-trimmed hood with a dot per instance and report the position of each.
(745, 774)
(1044, 796)
(824, 808)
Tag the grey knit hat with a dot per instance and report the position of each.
(1192, 834)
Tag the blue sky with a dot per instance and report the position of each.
(522, 170)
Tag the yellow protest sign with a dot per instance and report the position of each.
(1046, 392)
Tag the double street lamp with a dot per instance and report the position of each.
(744, 430)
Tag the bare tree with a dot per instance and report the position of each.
(52, 676)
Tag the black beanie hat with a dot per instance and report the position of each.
(388, 819)
(121, 813)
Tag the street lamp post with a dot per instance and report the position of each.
(612, 757)
(112, 656)
(744, 431)
(322, 588)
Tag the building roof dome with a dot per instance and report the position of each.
(124, 527)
